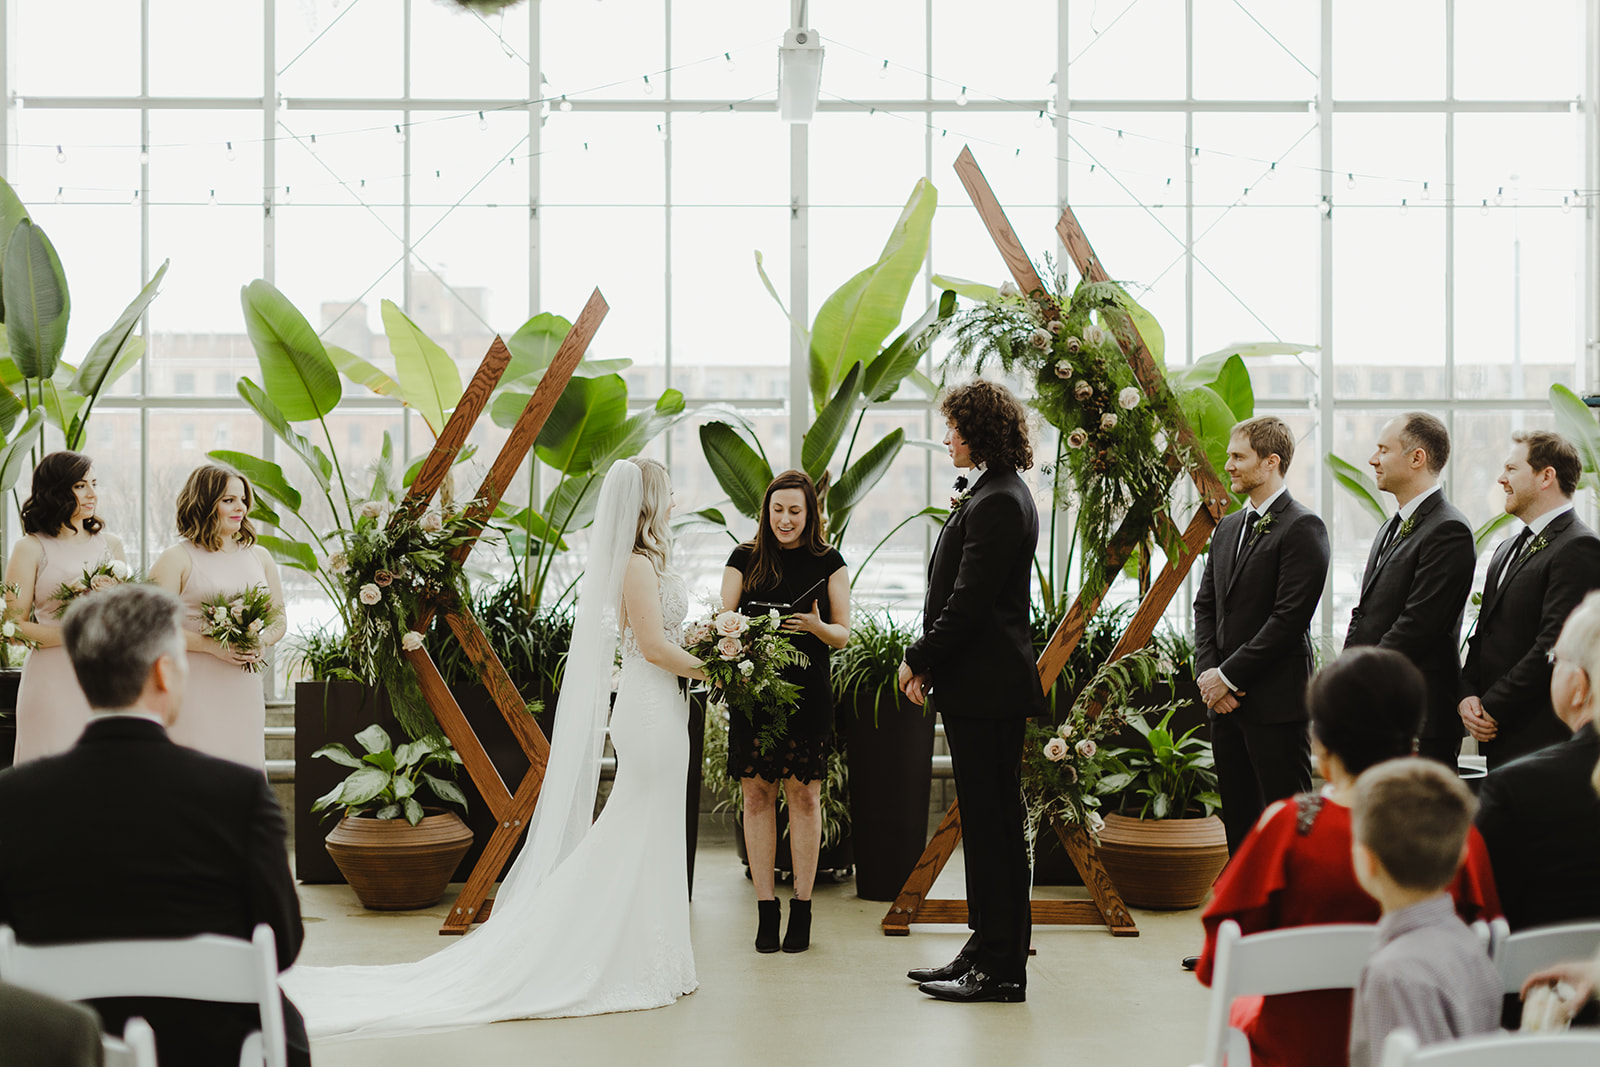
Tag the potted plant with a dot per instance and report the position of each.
(837, 855)
(888, 744)
(1169, 852)
(395, 855)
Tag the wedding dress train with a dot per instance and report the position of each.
(590, 919)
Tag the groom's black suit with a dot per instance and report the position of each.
(127, 835)
(976, 652)
(1526, 602)
(1251, 620)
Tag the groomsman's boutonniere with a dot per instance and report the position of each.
(1405, 529)
(960, 496)
(1535, 545)
(1263, 524)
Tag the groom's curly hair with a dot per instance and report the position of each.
(992, 422)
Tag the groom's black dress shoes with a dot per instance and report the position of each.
(948, 973)
(975, 986)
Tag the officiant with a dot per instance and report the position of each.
(789, 567)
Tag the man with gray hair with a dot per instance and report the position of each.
(127, 835)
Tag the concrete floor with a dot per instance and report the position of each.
(1092, 999)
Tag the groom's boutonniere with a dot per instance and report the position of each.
(1406, 527)
(1535, 545)
(1263, 524)
(960, 496)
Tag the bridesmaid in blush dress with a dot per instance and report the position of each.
(63, 539)
(224, 710)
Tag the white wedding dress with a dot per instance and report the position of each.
(590, 919)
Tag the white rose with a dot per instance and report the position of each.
(411, 640)
(431, 522)
(1087, 748)
(1065, 733)
(371, 509)
(1039, 339)
(731, 624)
(338, 563)
(746, 668)
(1094, 335)
(370, 594)
(1055, 750)
(1055, 327)
(1160, 441)
(120, 570)
(1064, 371)
(254, 627)
(1128, 399)
(1078, 438)
(1009, 289)
(1083, 390)
(1096, 823)
(10, 629)
(1108, 421)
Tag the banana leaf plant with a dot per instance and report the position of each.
(853, 364)
(1365, 492)
(35, 307)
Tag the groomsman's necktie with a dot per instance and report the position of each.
(1251, 517)
(1515, 554)
(1388, 534)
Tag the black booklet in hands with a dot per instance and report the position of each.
(801, 602)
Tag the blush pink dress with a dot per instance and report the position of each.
(51, 709)
(224, 710)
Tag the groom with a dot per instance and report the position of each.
(975, 657)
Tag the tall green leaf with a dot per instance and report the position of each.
(12, 212)
(295, 369)
(628, 437)
(854, 484)
(1576, 422)
(428, 376)
(265, 475)
(901, 356)
(856, 318)
(1483, 534)
(743, 474)
(801, 334)
(534, 345)
(571, 505)
(95, 370)
(820, 441)
(34, 289)
(586, 413)
(309, 454)
(1359, 484)
(14, 454)
(1211, 419)
(1155, 339)
(290, 553)
(361, 372)
(10, 408)
(983, 294)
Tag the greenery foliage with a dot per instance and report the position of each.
(1175, 775)
(864, 670)
(834, 795)
(385, 780)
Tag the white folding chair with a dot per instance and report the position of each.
(136, 1047)
(1519, 955)
(206, 967)
(1524, 1050)
(1296, 960)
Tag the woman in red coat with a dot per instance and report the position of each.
(1294, 869)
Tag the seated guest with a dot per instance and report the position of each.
(1428, 973)
(41, 1031)
(127, 835)
(1295, 870)
(1539, 815)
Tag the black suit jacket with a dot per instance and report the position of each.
(1541, 820)
(977, 635)
(1412, 597)
(1252, 616)
(1519, 619)
(127, 835)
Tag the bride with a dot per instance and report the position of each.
(590, 919)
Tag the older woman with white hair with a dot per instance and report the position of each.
(1540, 815)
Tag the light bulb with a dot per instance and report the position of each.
(883, 71)
(1425, 190)
(213, 198)
(134, 199)
(1350, 180)
(1499, 196)
(229, 152)
(1404, 207)
(566, 105)
(288, 197)
(399, 134)
(961, 97)
(61, 155)
(1039, 121)
(649, 90)
(1194, 158)
(1119, 135)
(437, 175)
(483, 123)
(728, 61)
(59, 190)
(661, 131)
(1272, 172)
(1484, 210)
(144, 156)
(1244, 197)
(1566, 205)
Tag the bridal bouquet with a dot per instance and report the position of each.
(236, 621)
(743, 657)
(103, 575)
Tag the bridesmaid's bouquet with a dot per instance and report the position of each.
(106, 574)
(236, 620)
(743, 657)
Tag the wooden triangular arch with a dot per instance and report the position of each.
(1106, 907)
(511, 810)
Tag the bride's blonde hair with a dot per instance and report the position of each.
(654, 536)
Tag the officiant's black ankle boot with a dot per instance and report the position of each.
(798, 937)
(769, 915)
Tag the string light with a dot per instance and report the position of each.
(1039, 121)
(483, 123)
(58, 194)
(1566, 206)
(229, 153)
(1425, 190)
(399, 134)
(1272, 171)
(1350, 180)
(1194, 159)
(144, 155)
(961, 97)
(61, 155)
(1484, 210)
(1499, 196)
(1244, 197)
(728, 62)
(661, 131)
(1404, 208)
(213, 199)
(288, 197)
(135, 198)
(649, 90)
(566, 105)
(883, 71)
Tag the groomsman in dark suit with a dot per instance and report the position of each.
(975, 659)
(1262, 580)
(1535, 580)
(1419, 574)
(127, 835)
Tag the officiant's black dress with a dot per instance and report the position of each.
(803, 753)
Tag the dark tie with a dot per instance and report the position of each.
(1388, 534)
(1516, 553)
(1251, 516)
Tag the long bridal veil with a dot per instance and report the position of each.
(493, 975)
